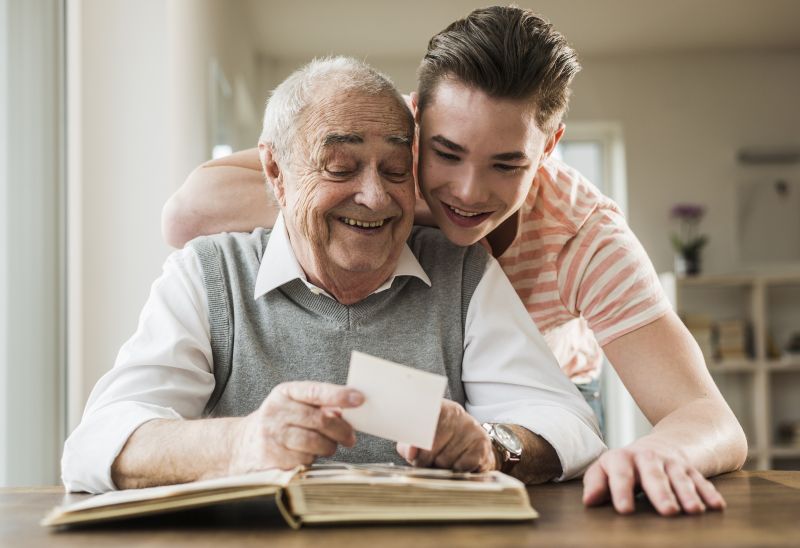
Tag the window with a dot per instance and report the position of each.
(31, 260)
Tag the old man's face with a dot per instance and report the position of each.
(349, 194)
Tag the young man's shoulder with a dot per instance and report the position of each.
(564, 198)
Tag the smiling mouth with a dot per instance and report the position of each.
(465, 213)
(365, 225)
(463, 218)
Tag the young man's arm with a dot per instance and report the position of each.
(223, 195)
(695, 434)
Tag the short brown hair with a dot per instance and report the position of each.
(506, 52)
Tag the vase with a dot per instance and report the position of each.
(687, 263)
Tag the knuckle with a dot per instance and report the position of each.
(626, 474)
(329, 450)
(646, 455)
(312, 391)
(442, 461)
(319, 421)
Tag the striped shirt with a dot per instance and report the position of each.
(580, 271)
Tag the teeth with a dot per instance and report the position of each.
(362, 224)
(463, 213)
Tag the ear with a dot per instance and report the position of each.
(413, 104)
(272, 172)
(554, 139)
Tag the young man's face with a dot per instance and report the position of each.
(477, 159)
(349, 198)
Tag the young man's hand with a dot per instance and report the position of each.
(670, 483)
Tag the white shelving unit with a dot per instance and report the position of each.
(762, 391)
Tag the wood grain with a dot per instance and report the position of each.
(763, 510)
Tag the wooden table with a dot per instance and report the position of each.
(763, 510)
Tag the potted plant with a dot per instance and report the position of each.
(687, 242)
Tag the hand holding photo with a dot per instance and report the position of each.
(401, 403)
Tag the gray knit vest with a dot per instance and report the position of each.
(292, 334)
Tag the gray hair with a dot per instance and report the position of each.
(293, 95)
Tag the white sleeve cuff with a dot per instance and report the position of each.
(91, 449)
(576, 443)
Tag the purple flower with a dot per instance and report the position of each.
(688, 212)
(687, 241)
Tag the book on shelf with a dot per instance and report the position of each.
(702, 328)
(733, 340)
(326, 493)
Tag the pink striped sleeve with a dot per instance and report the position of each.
(606, 276)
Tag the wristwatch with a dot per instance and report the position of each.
(506, 443)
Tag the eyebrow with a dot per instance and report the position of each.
(342, 138)
(455, 147)
(332, 139)
(447, 143)
(517, 155)
(403, 140)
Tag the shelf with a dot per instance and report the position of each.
(761, 392)
(786, 451)
(784, 364)
(740, 280)
(745, 366)
(717, 281)
(733, 366)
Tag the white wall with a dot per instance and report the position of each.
(684, 117)
(118, 150)
(139, 102)
(201, 30)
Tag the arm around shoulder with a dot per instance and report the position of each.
(223, 195)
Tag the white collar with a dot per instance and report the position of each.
(279, 265)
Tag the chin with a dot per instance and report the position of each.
(461, 236)
(361, 266)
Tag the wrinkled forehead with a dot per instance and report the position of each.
(358, 116)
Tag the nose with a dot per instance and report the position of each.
(372, 192)
(468, 188)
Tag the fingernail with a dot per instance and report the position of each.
(355, 398)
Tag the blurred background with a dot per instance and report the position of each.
(107, 105)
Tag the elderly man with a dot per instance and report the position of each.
(243, 345)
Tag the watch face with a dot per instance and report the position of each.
(508, 438)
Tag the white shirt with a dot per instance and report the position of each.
(165, 370)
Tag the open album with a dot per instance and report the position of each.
(327, 493)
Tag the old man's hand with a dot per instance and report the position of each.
(296, 423)
(460, 444)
